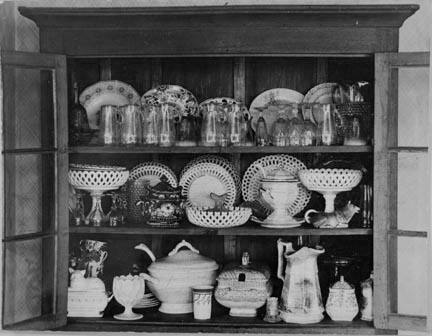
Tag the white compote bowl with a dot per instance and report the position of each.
(128, 291)
(330, 182)
(96, 180)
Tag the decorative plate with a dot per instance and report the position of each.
(106, 93)
(221, 161)
(251, 183)
(223, 101)
(268, 100)
(182, 100)
(322, 94)
(202, 179)
(153, 171)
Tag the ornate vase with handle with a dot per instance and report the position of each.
(301, 300)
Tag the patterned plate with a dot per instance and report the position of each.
(221, 161)
(268, 100)
(106, 93)
(252, 179)
(322, 94)
(153, 171)
(202, 179)
(223, 101)
(183, 101)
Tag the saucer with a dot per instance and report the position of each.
(296, 223)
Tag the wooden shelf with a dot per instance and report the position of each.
(250, 229)
(154, 321)
(202, 149)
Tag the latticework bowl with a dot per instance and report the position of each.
(98, 179)
(203, 217)
(330, 180)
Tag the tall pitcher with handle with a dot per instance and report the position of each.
(301, 300)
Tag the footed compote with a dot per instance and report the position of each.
(128, 291)
(330, 182)
(96, 180)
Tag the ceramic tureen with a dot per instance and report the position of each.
(243, 288)
(172, 278)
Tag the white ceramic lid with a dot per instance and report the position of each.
(342, 285)
(279, 174)
(183, 261)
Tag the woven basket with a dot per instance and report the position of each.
(218, 219)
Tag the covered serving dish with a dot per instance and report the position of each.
(243, 288)
(172, 278)
(162, 205)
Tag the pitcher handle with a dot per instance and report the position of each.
(183, 243)
(282, 247)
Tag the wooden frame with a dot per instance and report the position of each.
(386, 188)
(59, 233)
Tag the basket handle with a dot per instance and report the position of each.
(183, 243)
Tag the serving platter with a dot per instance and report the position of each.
(110, 92)
(182, 101)
(268, 101)
(202, 179)
(251, 182)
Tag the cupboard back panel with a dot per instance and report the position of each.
(204, 77)
(136, 72)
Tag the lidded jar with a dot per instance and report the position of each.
(342, 302)
(243, 288)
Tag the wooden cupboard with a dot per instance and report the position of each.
(233, 51)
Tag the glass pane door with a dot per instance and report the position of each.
(402, 182)
(35, 190)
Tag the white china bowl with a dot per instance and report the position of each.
(97, 179)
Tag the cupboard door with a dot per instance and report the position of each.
(402, 233)
(35, 190)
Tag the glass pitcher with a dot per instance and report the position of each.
(130, 125)
(237, 130)
(166, 127)
(150, 129)
(109, 131)
(185, 135)
(328, 126)
(208, 127)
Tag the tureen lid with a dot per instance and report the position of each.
(184, 260)
(279, 174)
(164, 186)
(247, 271)
(342, 284)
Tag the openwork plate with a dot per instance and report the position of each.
(181, 100)
(268, 100)
(106, 93)
(251, 183)
(202, 179)
(221, 161)
(153, 171)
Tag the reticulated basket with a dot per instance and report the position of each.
(330, 179)
(98, 179)
(214, 219)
